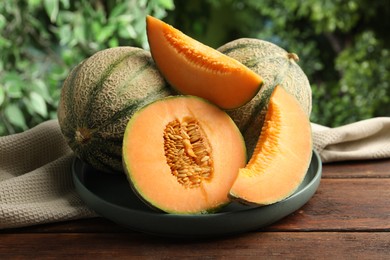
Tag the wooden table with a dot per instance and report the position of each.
(348, 218)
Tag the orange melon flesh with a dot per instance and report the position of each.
(193, 68)
(281, 157)
(145, 161)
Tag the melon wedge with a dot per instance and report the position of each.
(282, 155)
(182, 154)
(193, 68)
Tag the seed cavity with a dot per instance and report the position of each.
(188, 152)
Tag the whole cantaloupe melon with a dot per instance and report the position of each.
(277, 67)
(98, 98)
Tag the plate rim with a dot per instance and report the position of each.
(84, 193)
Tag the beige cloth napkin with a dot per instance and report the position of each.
(367, 139)
(36, 184)
(35, 179)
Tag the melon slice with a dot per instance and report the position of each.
(282, 156)
(193, 68)
(182, 155)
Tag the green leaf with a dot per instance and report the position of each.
(79, 32)
(127, 32)
(65, 3)
(39, 87)
(2, 95)
(14, 90)
(3, 22)
(105, 33)
(167, 4)
(120, 8)
(15, 116)
(65, 34)
(38, 104)
(113, 42)
(52, 7)
(34, 3)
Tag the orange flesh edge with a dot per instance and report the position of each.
(282, 155)
(196, 69)
(145, 161)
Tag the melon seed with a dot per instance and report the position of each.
(187, 152)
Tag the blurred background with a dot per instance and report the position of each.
(343, 47)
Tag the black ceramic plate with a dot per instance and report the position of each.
(111, 197)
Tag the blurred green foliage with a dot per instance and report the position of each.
(343, 47)
(42, 40)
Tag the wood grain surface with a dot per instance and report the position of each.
(348, 218)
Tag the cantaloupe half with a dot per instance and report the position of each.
(182, 155)
(282, 155)
(193, 68)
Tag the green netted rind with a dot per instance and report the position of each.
(100, 95)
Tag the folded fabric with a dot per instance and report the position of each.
(35, 179)
(367, 139)
(35, 168)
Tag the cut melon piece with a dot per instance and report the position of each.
(182, 155)
(282, 156)
(193, 68)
